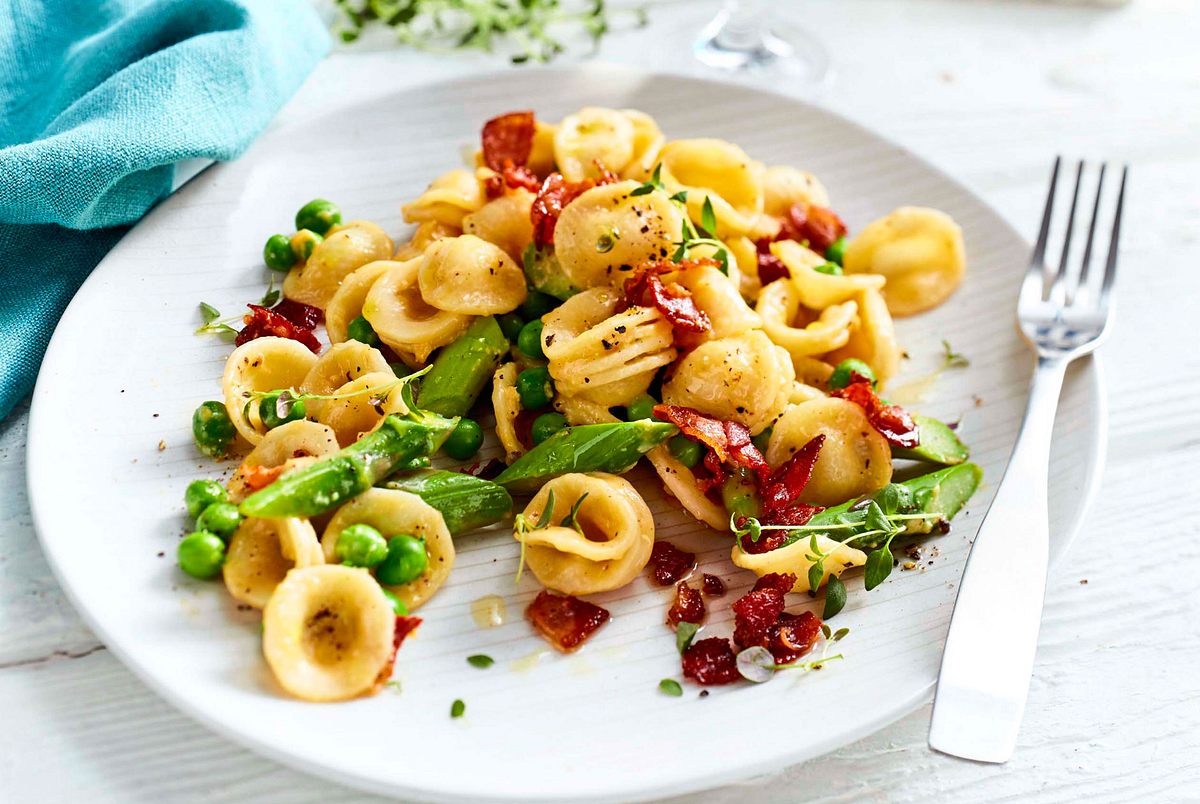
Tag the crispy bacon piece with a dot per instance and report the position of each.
(713, 475)
(713, 586)
(779, 491)
(759, 619)
(508, 140)
(781, 582)
(261, 323)
(710, 662)
(259, 477)
(730, 441)
(404, 627)
(688, 606)
(820, 226)
(554, 194)
(565, 622)
(645, 289)
(793, 635)
(488, 470)
(754, 613)
(770, 267)
(302, 315)
(669, 564)
(511, 177)
(892, 421)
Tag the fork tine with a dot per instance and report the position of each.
(1091, 237)
(1110, 266)
(1056, 282)
(1039, 250)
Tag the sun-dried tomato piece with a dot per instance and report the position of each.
(669, 564)
(710, 662)
(711, 473)
(713, 586)
(404, 627)
(645, 289)
(781, 582)
(302, 315)
(511, 177)
(779, 491)
(793, 636)
(820, 226)
(261, 323)
(729, 440)
(770, 267)
(892, 421)
(753, 615)
(554, 194)
(688, 606)
(486, 470)
(508, 140)
(565, 622)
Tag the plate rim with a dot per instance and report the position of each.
(708, 779)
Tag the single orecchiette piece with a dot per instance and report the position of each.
(745, 378)
(795, 328)
(854, 460)
(647, 145)
(680, 483)
(395, 513)
(605, 233)
(289, 445)
(817, 290)
(593, 135)
(447, 200)
(422, 236)
(541, 156)
(344, 250)
(795, 558)
(328, 634)
(470, 276)
(919, 250)
(504, 221)
(581, 411)
(340, 364)
(872, 337)
(263, 364)
(601, 356)
(506, 404)
(347, 303)
(611, 546)
(746, 254)
(717, 296)
(262, 551)
(361, 409)
(403, 319)
(812, 371)
(721, 172)
(784, 185)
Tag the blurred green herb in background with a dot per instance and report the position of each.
(529, 30)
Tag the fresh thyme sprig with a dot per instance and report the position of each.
(214, 324)
(523, 526)
(951, 358)
(286, 398)
(690, 237)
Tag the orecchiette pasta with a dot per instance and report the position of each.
(647, 145)
(593, 135)
(328, 634)
(504, 221)
(262, 551)
(746, 253)
(290, 445)
(360, 410)
(872, 338)
(265, 364)
(920, 252)
(447, 200)
(814, 289)
(680, 483)
(541, 155)
(394, 513)
(854, 460)
(346, 304)
(611, 546)
(340, 364)
(784, 186)
(470, 276)
(422, 236)
(506, 404)
(745, 379)
(720, 172)
(606, 233)
(797, 558)
(795, 328)
(344, 250)
(717, 296)
(404, 320)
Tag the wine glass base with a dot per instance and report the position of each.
(792, 52)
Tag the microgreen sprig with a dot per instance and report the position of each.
(214, 324)
(288, 397)
(758, 665)
(951, 358)
(690, 237)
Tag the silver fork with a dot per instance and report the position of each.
(988, 658)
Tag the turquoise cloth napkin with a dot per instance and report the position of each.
(98, 101)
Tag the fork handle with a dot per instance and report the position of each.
(988, 658)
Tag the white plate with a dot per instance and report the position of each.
(124, 371)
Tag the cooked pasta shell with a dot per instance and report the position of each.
(854, 460)
(919, 250)
(470, 276)
(795, 558)
(344, 250)
(593, 135)
(360, 408)
(506, 404)
(817, 290)
(404, 320)
(447, 200)
(292, 445)
(541, 156)
(328, 634)
(581, 411)
(422, 236)
(746, 254)
(263, 364)
(504, 222)
(812, 371)
(680, 483)
(611, 546)
(795, 328)
(720, 172)
(346, 304)
(394, 513)
(718, 296)
(606, 233)
(262, 551)
(340, 364)
(872, 337)
(784, 185)
(745, 378)
(647, 145)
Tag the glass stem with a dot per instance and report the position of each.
(745, 25)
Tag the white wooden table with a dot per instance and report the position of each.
(990, 91)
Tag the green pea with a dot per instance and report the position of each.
(406, 561)
(212, 429)
(687, 451)
(318, 216)
(739, 494)
(220, 518)
(361, 545)
(304, 242)
(763, 439)
(268, 410)
(510, 325)
(202, 493)
(640, 408)
(537, 304)
(201, 554)
(398, 606)
(843, 371)
(535, 388)
(547, 425)
(529, 341)
(464, 440)
(831, 268)
(360, 330)
(836, 251)
(277, 253)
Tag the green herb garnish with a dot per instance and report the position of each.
(481, 660)
(951, 358)
(685, 633)
(669, 686)
(458, 708)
